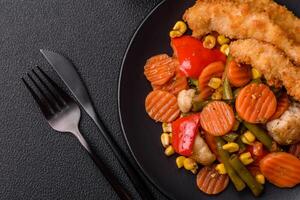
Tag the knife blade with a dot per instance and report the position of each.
(67, 72)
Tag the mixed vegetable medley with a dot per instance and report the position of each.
(221, 118)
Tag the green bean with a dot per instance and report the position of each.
(260, 134)
(224, 156)
(193, 83)
(199, 105)
(241, 144)
(231, 137)
(246, 176)
(227, 91)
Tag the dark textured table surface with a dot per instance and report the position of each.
(35, 161)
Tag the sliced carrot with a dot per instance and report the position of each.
(281, 169)
(217, 118)
(283, 104)
(162, 106)
(160, 68)
(174, 86)
(238, 75)
(295, 150)
(210, 181)
(213, 70)
(256, 103)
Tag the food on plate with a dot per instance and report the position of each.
(277, 69)
(228, 96)
(256, 103)
(162, 106)
(201, 152)
(281, 169)
(286, 129)
(174, 85)
(279, 14)
(217, 118)
(213, 70)
(239, 21)
(159, 69)
(238, 75)
(210, 181)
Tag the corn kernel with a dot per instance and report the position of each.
(221, 168)
(174, 34)
(169, 151)
(179, 161)
(180, 26)
(222, 40)
(209, 42)
(249, 136)
(178, 30)
(167, 127)
(194, 171)
(216, 96)
(246, 158)
(255, 73)
(215, 83)
(225, 49)
(260, 178)
(231, 147)
(190, 164)
(165, 139)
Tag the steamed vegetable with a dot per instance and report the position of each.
(210, 181)
(256, 103)
(192, 56)
(184, 132)
(247, 177)
(217, 118)
(201, 152)
(157, 108)
(281, 169)
(224, 156)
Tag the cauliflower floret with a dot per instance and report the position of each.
(184, 100)
(201, 152)
(286, 129)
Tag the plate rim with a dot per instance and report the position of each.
(163, 192)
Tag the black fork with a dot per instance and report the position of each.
(63, 115)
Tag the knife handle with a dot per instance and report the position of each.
(110, 177)
(128, 167)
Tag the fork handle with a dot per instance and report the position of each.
(111, 178)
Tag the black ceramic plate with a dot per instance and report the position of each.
(142, 133)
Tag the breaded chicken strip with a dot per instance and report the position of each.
(237, 20)
(279, 14)
(270, 61)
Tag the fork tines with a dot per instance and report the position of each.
(49, 96)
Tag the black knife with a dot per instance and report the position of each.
(66, 70)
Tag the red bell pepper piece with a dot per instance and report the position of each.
(257, 151)
(193, 57)
(184, 131)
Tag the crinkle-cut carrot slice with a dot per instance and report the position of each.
(238, 75)
(210, 181)
(160, 68)
(213, 70)
(283, 104)
(162, 106)
(174, 86)
(256, 103)
(281, 169)
(217, 118)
